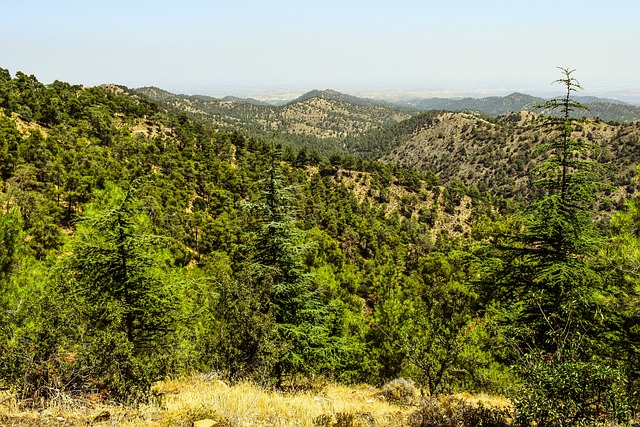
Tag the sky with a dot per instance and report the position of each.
(251, 47)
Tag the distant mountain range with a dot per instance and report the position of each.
(493, 105)
(317, 120)
(329, 114)
(482, 141)
(606, 109)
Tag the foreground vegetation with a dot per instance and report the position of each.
(211, 401)
(140, 246)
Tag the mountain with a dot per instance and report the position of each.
(498, 154)
(603, 108)
(488, 144)
(232, 99)
(317, 120)
(333, 95)
(336, 116)
(329, 121)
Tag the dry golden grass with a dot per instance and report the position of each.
(485, 400)
(247, 404)
(195, 398)
(27, 127)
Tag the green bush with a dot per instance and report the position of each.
(570, 392)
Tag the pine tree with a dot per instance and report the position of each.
(114, 280)
(303, 342)
(549, 285)
(548, 274)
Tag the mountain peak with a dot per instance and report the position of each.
(333, 95)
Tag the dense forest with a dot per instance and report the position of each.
(138, 244)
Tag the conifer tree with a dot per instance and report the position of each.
(303, 343)
(546, 271)
(115, 282)
(548, 283)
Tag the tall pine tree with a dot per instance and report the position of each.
(303, 341)
(548, 284)
(115, 281)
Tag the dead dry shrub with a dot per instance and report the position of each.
(344, 419)
(401, 392)
(453, 412)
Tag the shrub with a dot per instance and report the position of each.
(344, 419)
(400, 391)
(453, 412)
(570, 392)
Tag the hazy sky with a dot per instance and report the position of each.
(245, 46)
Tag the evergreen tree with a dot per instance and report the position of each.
(548, 284)
(551, 273)
(115, 281)
(303, 342)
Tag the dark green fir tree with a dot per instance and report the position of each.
(303, 340)
(549, 285)
(115, 280)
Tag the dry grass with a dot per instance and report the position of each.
(485, 400)
(185, 401)
(27, 127)
(246, 404)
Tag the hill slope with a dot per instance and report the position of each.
(498, 154)
(318, 119)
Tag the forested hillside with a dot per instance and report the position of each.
(498, 155)
(140, 244)
(318, 120)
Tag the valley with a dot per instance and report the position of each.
(161, 253)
